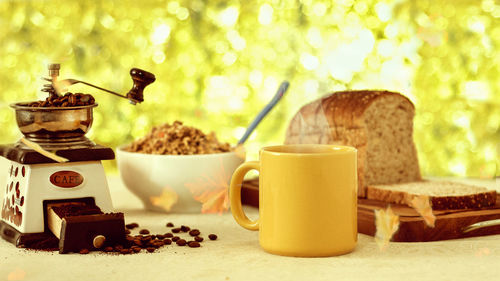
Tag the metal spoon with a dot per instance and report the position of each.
(279, 94)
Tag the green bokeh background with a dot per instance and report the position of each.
(218, 63)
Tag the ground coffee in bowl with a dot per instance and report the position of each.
(178, 139)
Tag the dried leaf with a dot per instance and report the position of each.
(387, 223)
(482, 252)
(215, 202)
(240, 151)
(166, 200)
(422, 205)
(212, 192)
(17, 274)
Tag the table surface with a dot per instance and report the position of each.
(236, 255)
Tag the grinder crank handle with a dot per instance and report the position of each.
(140, 78)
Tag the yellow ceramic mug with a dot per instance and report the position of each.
(307, 199)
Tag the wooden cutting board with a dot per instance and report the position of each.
(412, 228)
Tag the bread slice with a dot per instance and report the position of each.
(444, 195)
(378, 123)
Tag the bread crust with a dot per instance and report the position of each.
(340, 109)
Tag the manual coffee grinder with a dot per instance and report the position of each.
(36, 181)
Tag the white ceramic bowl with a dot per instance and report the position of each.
(153, 178)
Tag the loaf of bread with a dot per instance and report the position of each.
(443, 195)
(378, 123)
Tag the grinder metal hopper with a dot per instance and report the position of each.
(37, 182)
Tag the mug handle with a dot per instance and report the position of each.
(235, 195)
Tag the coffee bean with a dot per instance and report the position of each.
(198, 239)
(153, 237)
(169, 224)
(84, 251)
(146, 238)
(169, 235)
(108, 249)
(132, 225)
(65, 104)
(194, 232)
(167, 241)
(144, 231)
(193, 244)
(136, 249)
(125, 251)
(181, 242)
(176, 230)
(127, 231)
(160, 236)
(175, 238)
(150, 249)
(185, 228)
(118, 248)
(72, 100)
(212, 237)
(85, 98)
(138, 242)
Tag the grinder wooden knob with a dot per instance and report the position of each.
(141, 79)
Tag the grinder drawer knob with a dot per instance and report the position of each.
(99, 241)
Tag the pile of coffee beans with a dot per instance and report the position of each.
(151, 242)
(67, 100)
